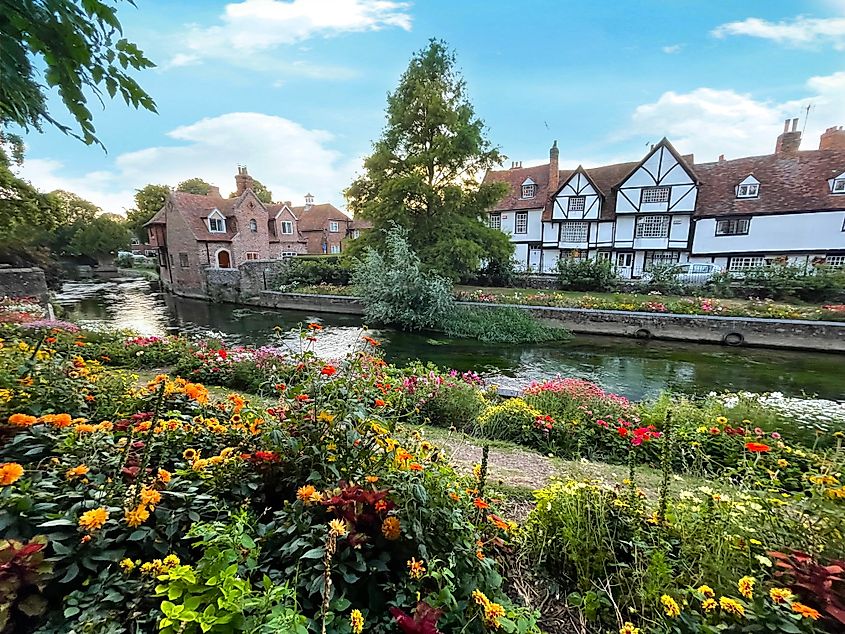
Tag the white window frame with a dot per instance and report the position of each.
(574, 231)
(660, 258)
(658, 194)
(216, 225)
(289, 254)
(835, 261)
(150, 253)
(733, 227)
(287, 227)
(520, 220)
(334, 226)
(745, 262)
(837, 186)
(625, 259)
(334, 249)
(529, 191)
(653, 226)
(601, 256)
(749, 190)
(576, 204)
(494, 221)
(252, 255)
(356, 233)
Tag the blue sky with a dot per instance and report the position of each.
(295, 89)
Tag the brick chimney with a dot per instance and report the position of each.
(214, 190)
(789, 140)
(833, 139)
(554, 170)
(721, 158)
(243, 181)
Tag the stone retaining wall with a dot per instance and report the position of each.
(824, 336)
(29, 282)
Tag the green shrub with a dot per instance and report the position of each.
(500, 325)
(511, 420)
(664, 278)
(312, 271)
(395, 290)
(454, 405)
(496, 272)
(587, 275)
(780, 281)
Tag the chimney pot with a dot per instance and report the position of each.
(794, 124)
(789, 141)
(786, 126)
(721, 157)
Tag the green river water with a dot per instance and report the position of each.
(633, 368)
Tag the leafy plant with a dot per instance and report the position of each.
(23, 576)
(589, 274)
(822, 585)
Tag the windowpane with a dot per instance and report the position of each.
(839, 185)
(528, 191)
(573, 232)
(495, 221)
(837, 261)
(739, 264)
(656, 195)
(216, 225)
(252, 255)
(660, 258)
(653, 227)
(333, 226)
(748, 191)
(287, 227)
(521, 224)
(335, 248)
(183, 260)
(732, 227)
(576, 204)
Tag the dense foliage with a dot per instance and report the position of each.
(314, 271)
(588, 274)
(422, 174)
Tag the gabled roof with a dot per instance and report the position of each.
(195, 209)
(317, 217)
(685, 161)
(788, 183)
(604, 178)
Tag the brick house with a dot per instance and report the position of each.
(194, 232)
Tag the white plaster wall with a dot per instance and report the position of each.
(809, 232)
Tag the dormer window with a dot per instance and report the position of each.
(216, 222)
(749, 188)
(837, 185)
(287, 227)
(529, 188)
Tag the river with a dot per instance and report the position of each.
(633, 368)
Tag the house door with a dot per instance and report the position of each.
(534, 258)
(625, 264)
(224, 260)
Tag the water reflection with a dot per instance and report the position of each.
(634, 368)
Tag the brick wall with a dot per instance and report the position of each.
(247, 240)
(184, 280)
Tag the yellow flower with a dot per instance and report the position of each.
(708, 605)
(137, 516)
(10, 472)
(629, 628)
(325, 417)
(94, 519)
(492, 613)
(76, 472)
(746, 587)
(391, 528)
(670, 606)
(150, 497)
(707, 591)
(416, 569)
(780, 595)
(164, 476)
(305, 493)
(722, 420)
(806, 611)
(356, 620)
(127, 565)
(732, 606)
(171, 561)
(190, 454)
(783, 464)
(479, 597)
(338, 528)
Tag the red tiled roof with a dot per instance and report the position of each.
(195, 209)
(788, 183)
(317, 217)
(514, 178)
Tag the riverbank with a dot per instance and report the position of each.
(792, 334)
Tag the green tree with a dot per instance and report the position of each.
(148, 202)
(101, 239)
(75, 46)
(194, 186)
(22, 206)
(71, 214)
(260, 190)
(423, 172)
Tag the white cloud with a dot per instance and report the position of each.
(288, 158)
(253, 27)
(799, 31)
(710, 122)
(672, 49)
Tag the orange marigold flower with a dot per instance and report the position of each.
(498, 522)
(415, 466)
(455, 497)
(302, 397)
(94, 519)
(150, 497)
(164, 476)
(10, 472)
(22, 420)
(89, 398)
(84, 428)
(328, 370)
(480, 504)
(371, 479)
(391, 528)
(746, 587)
(757, 447)
(480, 555)
(197, 392)
(57, 420)
(137, 516)
(76, 472)
(806, 611)
(379, 402)
(306, 493)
